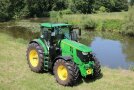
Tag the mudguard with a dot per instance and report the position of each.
(42, 44)
(66, 58)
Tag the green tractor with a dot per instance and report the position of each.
(58, 50)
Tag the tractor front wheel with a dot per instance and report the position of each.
(97, 68)
(66, 72)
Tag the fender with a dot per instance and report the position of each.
(66, 58)
(42, 44)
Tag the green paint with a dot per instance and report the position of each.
(76, 45)
(69, 48)
(41, 43)
(84, 67)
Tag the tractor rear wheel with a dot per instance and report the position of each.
(66, 72)
(35, 57)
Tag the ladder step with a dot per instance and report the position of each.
(46, 63)
(46, 58)
(46, 66)
(46, 69)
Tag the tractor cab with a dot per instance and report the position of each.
(54, 32)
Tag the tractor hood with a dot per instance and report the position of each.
(76, 45)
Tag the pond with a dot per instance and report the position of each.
(112, 49)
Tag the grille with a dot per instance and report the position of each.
(84, 58)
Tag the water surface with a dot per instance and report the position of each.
(111, 49)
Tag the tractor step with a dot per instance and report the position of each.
(46, 63)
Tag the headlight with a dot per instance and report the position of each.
(84, 53)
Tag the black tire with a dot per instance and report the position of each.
(97, 68)
(40, 67)
(72, 70)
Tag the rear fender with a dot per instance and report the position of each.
(42, 44)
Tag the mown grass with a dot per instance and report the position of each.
(16, 75)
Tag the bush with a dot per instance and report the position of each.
(54, 16)
(102, 9)
(112, 24)
(67, 11)
(88, 24)
(131, 68)
(128, 26)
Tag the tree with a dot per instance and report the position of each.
(38, 8)
(4, 10)
(120, 5)
(60, 5)
(16, 7)
(111, 5)
(82, 6)
(131, 2)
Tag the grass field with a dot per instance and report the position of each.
(101, 16)
(16, 75)
(102, 21)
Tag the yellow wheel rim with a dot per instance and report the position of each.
(62, 72)
(33, 57)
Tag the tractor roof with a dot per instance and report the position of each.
(50, 25)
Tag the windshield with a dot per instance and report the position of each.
(65, 31)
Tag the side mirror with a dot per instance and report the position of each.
(45, 33)
(79, 31)
(74, 36)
